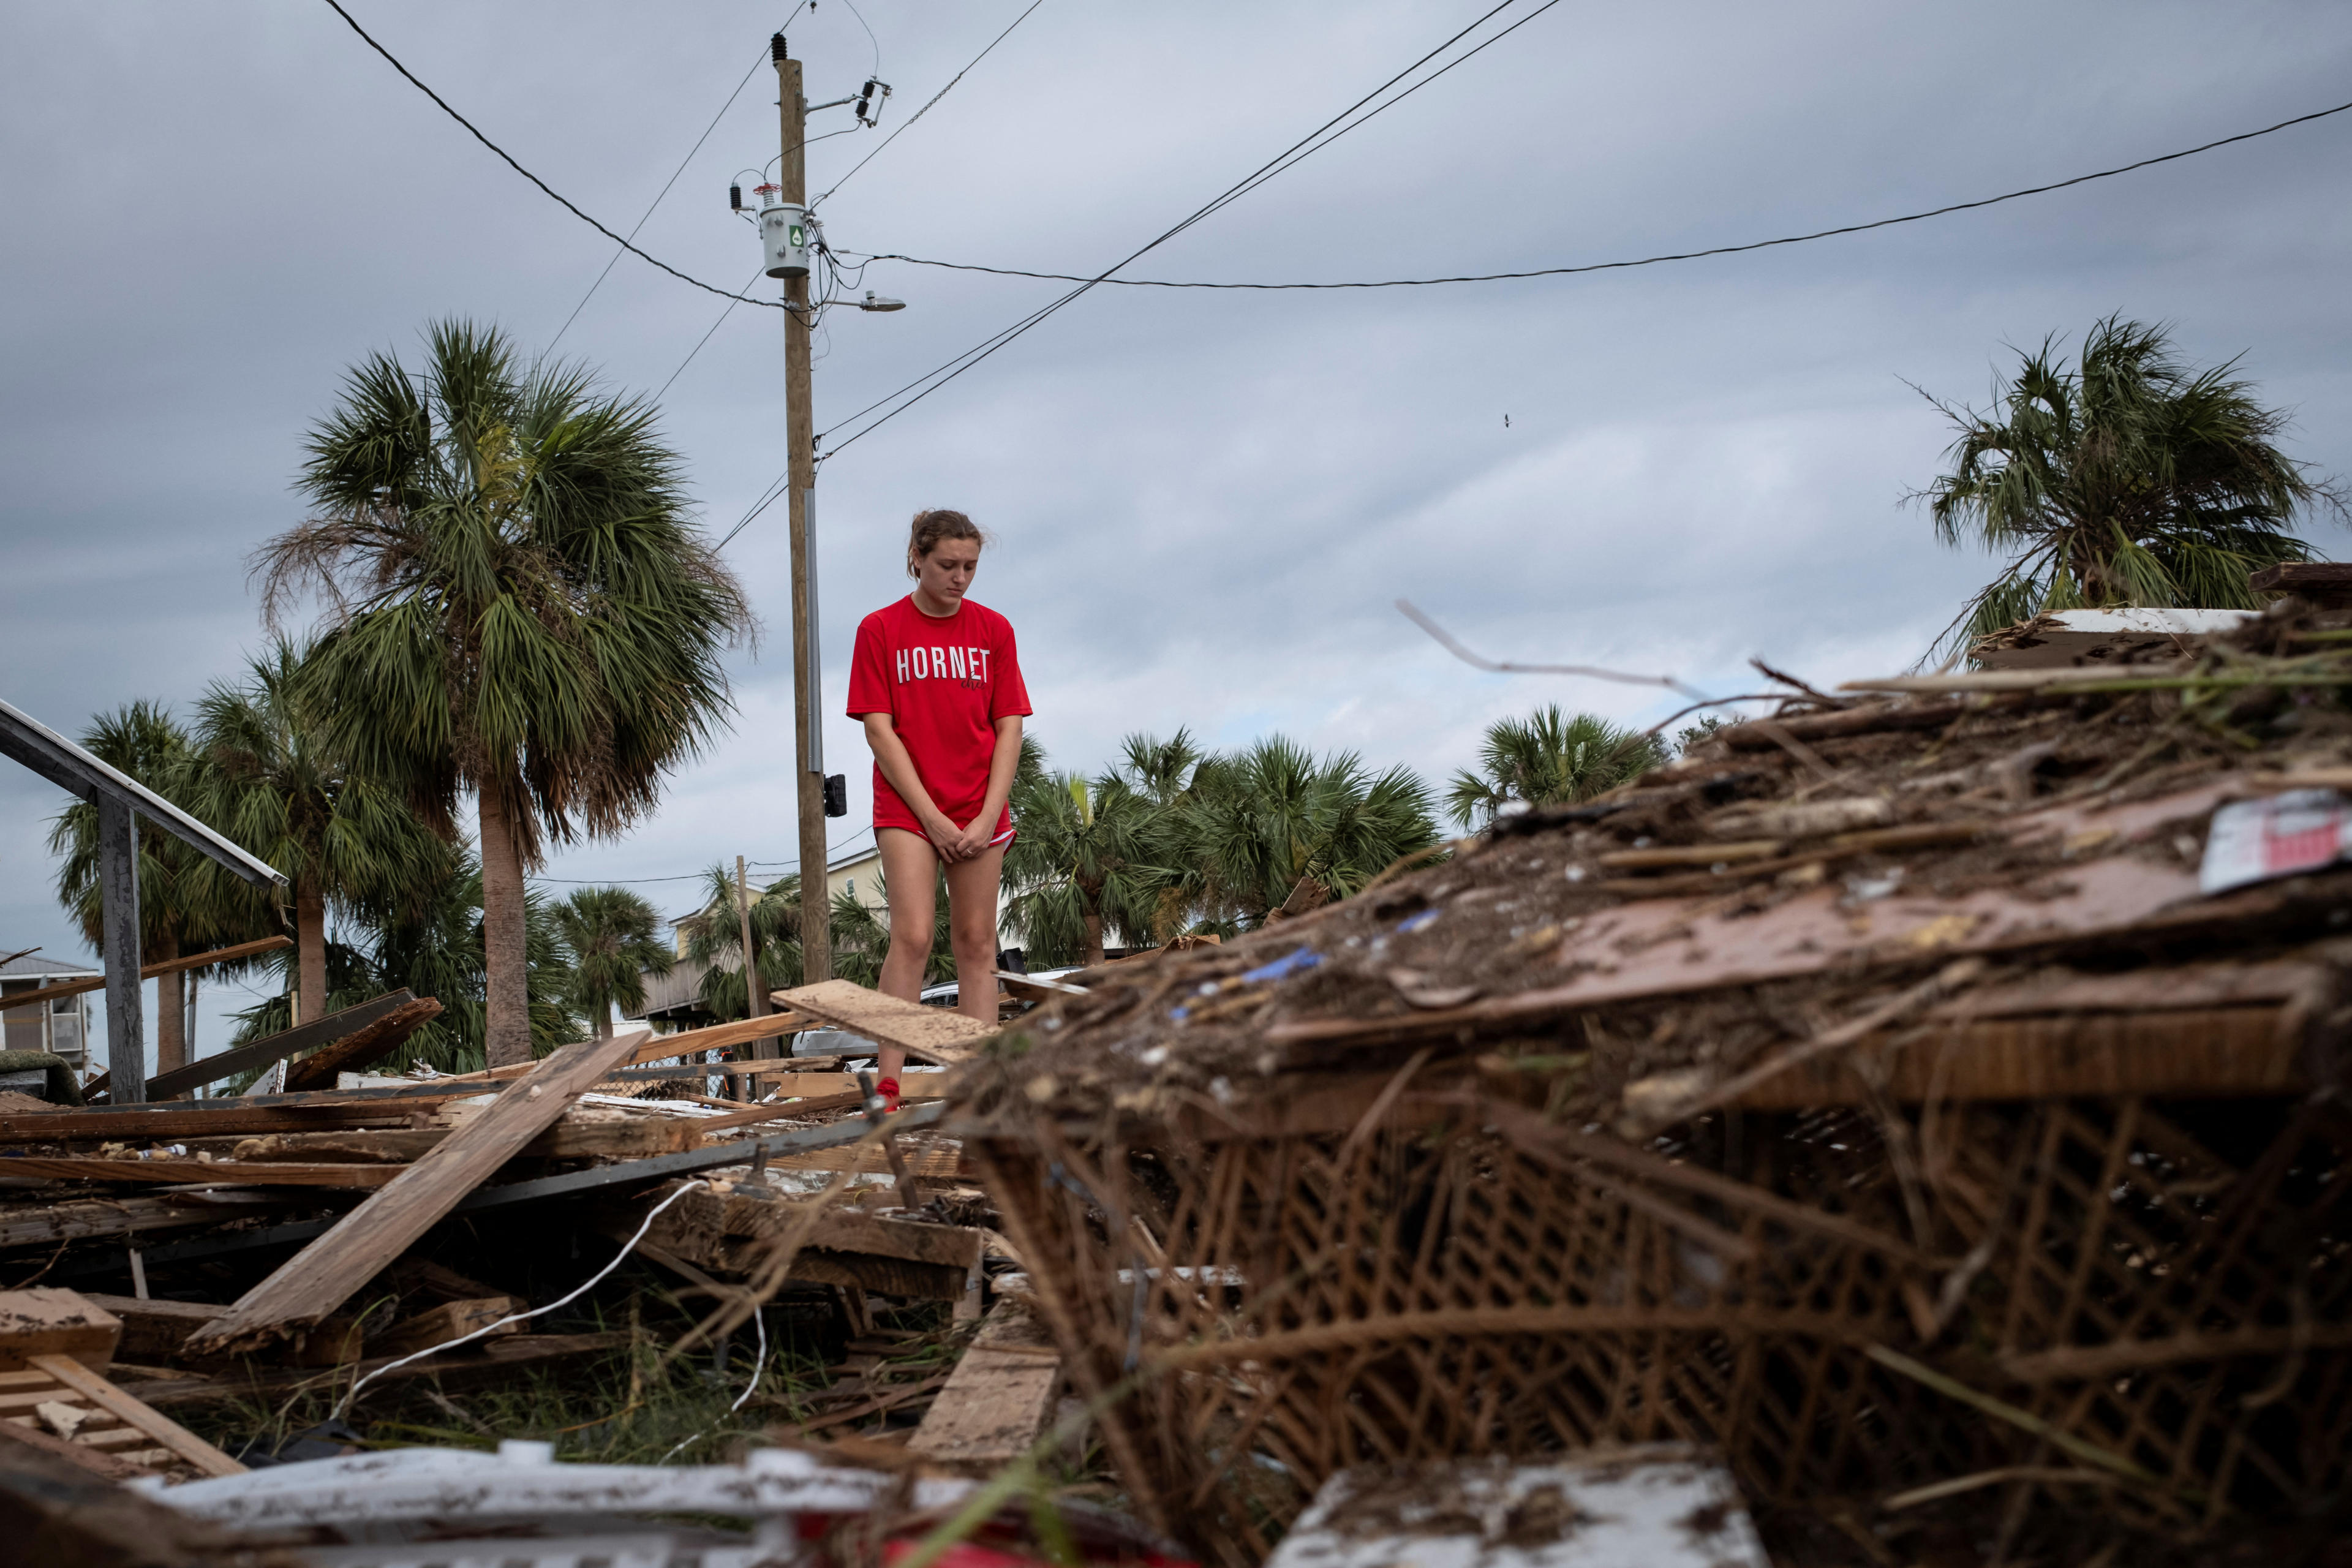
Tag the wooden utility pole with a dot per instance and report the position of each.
(800, 434)
(753, 988)
(118, 881)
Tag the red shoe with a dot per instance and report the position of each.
(888, 1090)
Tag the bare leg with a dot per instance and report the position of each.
(971, 926)
(910, 872)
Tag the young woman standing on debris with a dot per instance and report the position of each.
(937, 682)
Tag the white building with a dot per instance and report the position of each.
(60, 1026)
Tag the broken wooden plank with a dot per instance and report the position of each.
(362, 1047)
(661, 1047)
(262, 1052)
(50, 1321)
(206, 1173)
(726, 1151)
(14, 1438)
(932, 1034)
(132, 1412)
(154, 1330)
(567, 1140)
(149, 970)
(324, 1274)
(56, 1222)
(450, 1320)
(405, 1105)
(998, 1399)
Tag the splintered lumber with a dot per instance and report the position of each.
(16, 1438)
(212, 1172)
(56, 1222)
(310, 1286)
(316, 1111)
(933, 1033)
(726, 1151)
(450, 1320)
(183, 1444)
(566, 1140)
(50, 1321)
(734, 1234)
(364, 1047)
(262, 1052)
(149, 970)
(997, 1400)
(153, 1331)
(661, 1047)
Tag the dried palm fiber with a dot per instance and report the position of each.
(2165, 1283)
(1943, 1135)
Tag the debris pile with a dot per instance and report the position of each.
(275, 1249)
(1927, 1096)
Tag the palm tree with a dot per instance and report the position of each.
(861, 940)
(1088, 860)
(613, 936)
(1547, 758)
(517, 606)
(180, 910)
(1270, 830)
(433, 945)
(275, 784)
(2128, 480)
(714, 937)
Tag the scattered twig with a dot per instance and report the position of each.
(1950, 978)
(1823, 697)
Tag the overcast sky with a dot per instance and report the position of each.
(1204, 504)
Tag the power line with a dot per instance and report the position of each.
(1305, 146)
(704, 338)
(337, 7)
(757, 62)
(1649, 260)
(909, 122)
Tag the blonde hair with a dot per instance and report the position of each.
(932, 526)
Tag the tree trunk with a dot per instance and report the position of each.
(309, 951)
(170, 1009)
(507, 1017)
(1094, 938)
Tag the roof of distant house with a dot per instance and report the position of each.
(39, 966)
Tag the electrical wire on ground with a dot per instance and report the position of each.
(1648, 260)
(1346, 120)
(908, 123)
(626, 1247)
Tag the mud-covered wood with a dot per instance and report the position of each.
(154, 1330)
(998, 1399)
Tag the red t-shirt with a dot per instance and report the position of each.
(945, 681)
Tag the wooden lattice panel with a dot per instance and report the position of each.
(2162, 1287)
